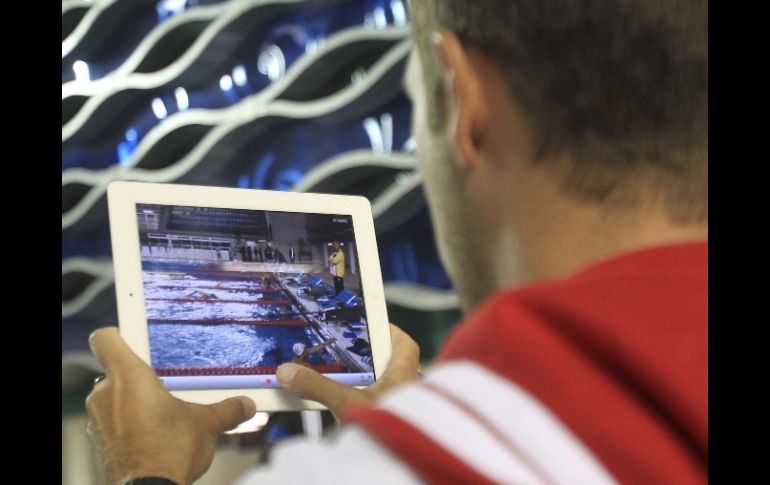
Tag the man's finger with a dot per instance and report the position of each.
(231, 412)
(309, 384)
(404, 359)
(113, 352)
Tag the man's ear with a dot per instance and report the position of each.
(466, 85)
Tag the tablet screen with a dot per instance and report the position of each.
(230, 294)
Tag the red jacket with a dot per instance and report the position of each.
(617, 352)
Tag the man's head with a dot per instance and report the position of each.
(605, 98)
(298, 348)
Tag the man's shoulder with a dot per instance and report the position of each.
(591, 344)
(465, 423)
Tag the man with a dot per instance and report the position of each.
(202, 295)
(337, 259)
(301, 352)
(570, 137)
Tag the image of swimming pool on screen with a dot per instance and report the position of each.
(231, 294)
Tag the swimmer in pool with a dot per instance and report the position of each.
(301, 353)
(202, 295)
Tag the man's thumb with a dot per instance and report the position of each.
(231, 412)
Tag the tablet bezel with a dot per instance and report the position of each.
(122, 199)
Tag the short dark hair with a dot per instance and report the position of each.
(621, 86)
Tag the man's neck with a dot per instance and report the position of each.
(566, 252)
(560, 236)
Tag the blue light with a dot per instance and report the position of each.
(386, 123)
(358, 75)
(380, 133)
(286, 179)
(263, 167)
(159, 108)
(312, 45)
(82, 72)
(380, 20)
(410, 145)
(239, 75)
(125, 150)
(272, 62)
(169, 8)
(182, 100)
(127, 147)
(399, 12)
(226, 83)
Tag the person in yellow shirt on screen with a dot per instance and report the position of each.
(338, 260)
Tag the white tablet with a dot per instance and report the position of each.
(216, 287)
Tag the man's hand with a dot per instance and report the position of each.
(138, 429)
(303, 382)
